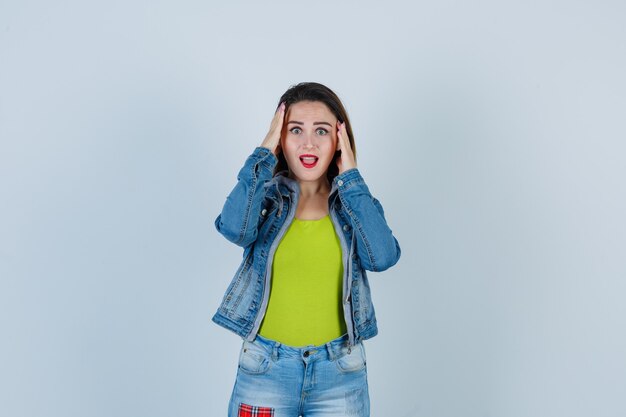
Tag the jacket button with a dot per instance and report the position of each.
(263, 212)
(340, 183)
(346, 227)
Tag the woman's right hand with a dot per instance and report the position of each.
(272, 140)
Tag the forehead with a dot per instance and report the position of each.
(313, 111)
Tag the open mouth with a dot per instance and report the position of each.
(309, 161)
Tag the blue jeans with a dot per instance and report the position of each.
(311, 381)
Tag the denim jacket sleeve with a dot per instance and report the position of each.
(238, 221)
(376, 246)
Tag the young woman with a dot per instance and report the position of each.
(300, 298)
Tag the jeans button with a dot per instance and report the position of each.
(306, 353)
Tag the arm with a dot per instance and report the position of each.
(376, 246)
(239, 219)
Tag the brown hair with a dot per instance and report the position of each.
(311, 91)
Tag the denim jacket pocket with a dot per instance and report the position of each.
(254, 359)
(268, 207)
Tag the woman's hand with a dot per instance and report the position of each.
(272, 139)
(345, 161)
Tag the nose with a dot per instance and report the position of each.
(308, 142)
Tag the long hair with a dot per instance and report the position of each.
(311, 91)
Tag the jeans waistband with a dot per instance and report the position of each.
(332, 350)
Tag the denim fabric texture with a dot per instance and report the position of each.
(257, 213)
(314, 381)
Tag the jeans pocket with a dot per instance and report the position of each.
(254, 359)
(353, 361)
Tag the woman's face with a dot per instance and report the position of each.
(309, 140)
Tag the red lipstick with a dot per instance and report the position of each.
(308, 160)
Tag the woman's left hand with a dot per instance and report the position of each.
(345, 160)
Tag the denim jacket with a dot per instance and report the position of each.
(256, 216)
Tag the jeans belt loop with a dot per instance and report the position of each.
(331, 353)
(275, 351)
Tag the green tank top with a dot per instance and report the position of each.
(306, 288)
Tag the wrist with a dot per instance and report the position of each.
(345, 169)
(270, 147)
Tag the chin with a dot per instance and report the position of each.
(305, 174)
(309, 177)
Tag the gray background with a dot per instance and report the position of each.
(492, 132)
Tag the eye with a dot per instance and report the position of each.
(293, 129)
(324, 131)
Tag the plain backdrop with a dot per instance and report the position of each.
(492, 132)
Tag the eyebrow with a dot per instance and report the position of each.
(315, 123)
